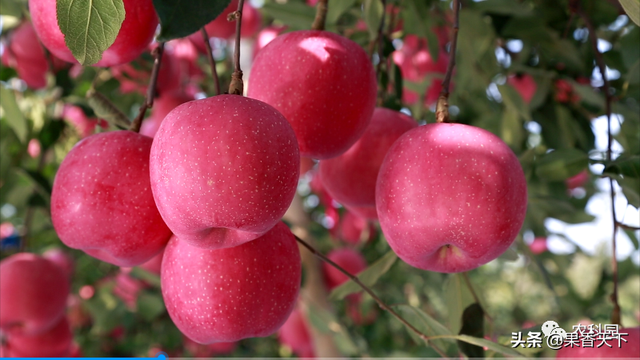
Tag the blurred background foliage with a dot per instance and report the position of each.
(551, 130)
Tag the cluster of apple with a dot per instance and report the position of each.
(33, 327)
(211, 186)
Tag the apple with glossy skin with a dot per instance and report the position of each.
(323, 84)
(33, 294)
(223, 170)
(25, 54)
(350, 260)
(102, 203)
(416, 64)
(351, 177)
(265, 36)
(135, 34)
(525, 85)
(295, 334)
(208, 350)
(235, 293)
(352, 226)
(53, 343)
(629, 349)
(450, 197)
(539, 245)
(155, 264)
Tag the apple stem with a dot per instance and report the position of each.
(371, 293)
(151, 90)
(442, 106)
(575, 7)
(321, 15)
(212, 61)
(236, 86)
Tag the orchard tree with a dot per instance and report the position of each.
(320, 178)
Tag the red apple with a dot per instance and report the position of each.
(629, 349)
(352, 226)
(25, 54)
(578, 180)
(416, 64)
(539, 245)
(525, 85)
(365, 212)
(351, 177)
(62, 259)
(323, 84)
(295, 334)
(83, 125)
(223, 170)
(33, 294)
(135, 34)
(266, 35)
(102, 202)
(350, 260)
(54, 343)
(6, 229)
(234, 293)
(127, 288)
(34, 148)
(450, 197)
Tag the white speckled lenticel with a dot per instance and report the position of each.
(235, 293)
(323, 84)
(223, 170)
(102, 203)
(351, 177)
(450, 197)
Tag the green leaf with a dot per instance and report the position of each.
(624, 165)
(150, 305)
(89, 27)
(295, 15)
(509, 255)
(633, 74)
(458, 297)
(325, 322)
(181, 18)
(472, 325)
(373, 10)
(561, 164)
(486, 343)
(12, 114)
(424, 323)
(631, 190)
(504, 7)
(50, 133)
(369, 276)
(632, 8)
(512, 131)
(585, 286)
(336, 8)
(588, 94)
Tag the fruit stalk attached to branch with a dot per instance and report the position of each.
(236, 87)
(212, 61)
(151, 90)
(442, 107)
(321, 15)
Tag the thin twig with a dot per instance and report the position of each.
(321, 15)
(566, 30)
(151, 90)
(371, 293)
(575, 4)
(442, 106)
(627, 227)
(212, 61)
(237, 87)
